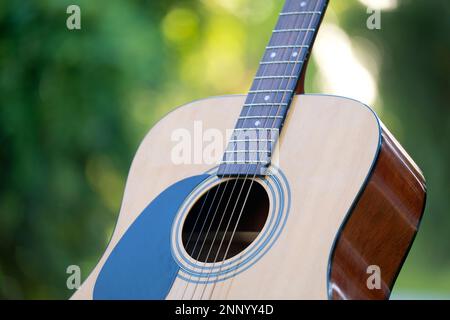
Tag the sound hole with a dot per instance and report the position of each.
(208, 232)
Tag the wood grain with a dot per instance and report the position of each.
(325, 177)
(324, 174)
(382, 226)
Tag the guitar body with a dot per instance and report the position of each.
(333, 207)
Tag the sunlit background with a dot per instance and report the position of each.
(74, 106)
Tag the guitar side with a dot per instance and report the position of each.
(382, 226)
(334, 154)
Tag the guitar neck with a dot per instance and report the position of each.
(265, 110)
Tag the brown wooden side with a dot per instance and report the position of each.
(381, 227)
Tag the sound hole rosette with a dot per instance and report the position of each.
(191, 270)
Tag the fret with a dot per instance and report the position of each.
(256, 129)
(244, 162)
(273, 69)
(252, 140)
(288, 47)
(260, 117)
(253, 136)
(299, 13)
(294, 30)
(280, 99)
(271, 91)
(241, 140)
(265, 123)
(281, 104)
(275, 77)
(280, 62)
(287, 83)
(261, 112)
(248, 151)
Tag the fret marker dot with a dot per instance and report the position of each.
(295, 54)
(273, 55)
(303, 4)
(266, 98)
(257, 123)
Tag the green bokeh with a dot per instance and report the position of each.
(74, 106)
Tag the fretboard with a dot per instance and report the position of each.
(262, 117)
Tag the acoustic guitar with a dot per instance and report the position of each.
(308, 197)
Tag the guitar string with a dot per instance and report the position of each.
(321, 8)
(214, 215)
(246, 198)
(209, 228)
(242, 188)
(218, 206)
(246, 176)
(253, 178)
(202, 228)
(206, 218)
(265, 69)
(197, 219)
(225, 209)
(239, 260)
(212, 219)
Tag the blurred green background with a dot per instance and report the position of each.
(74, 106)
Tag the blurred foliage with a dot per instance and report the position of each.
(74, 106)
